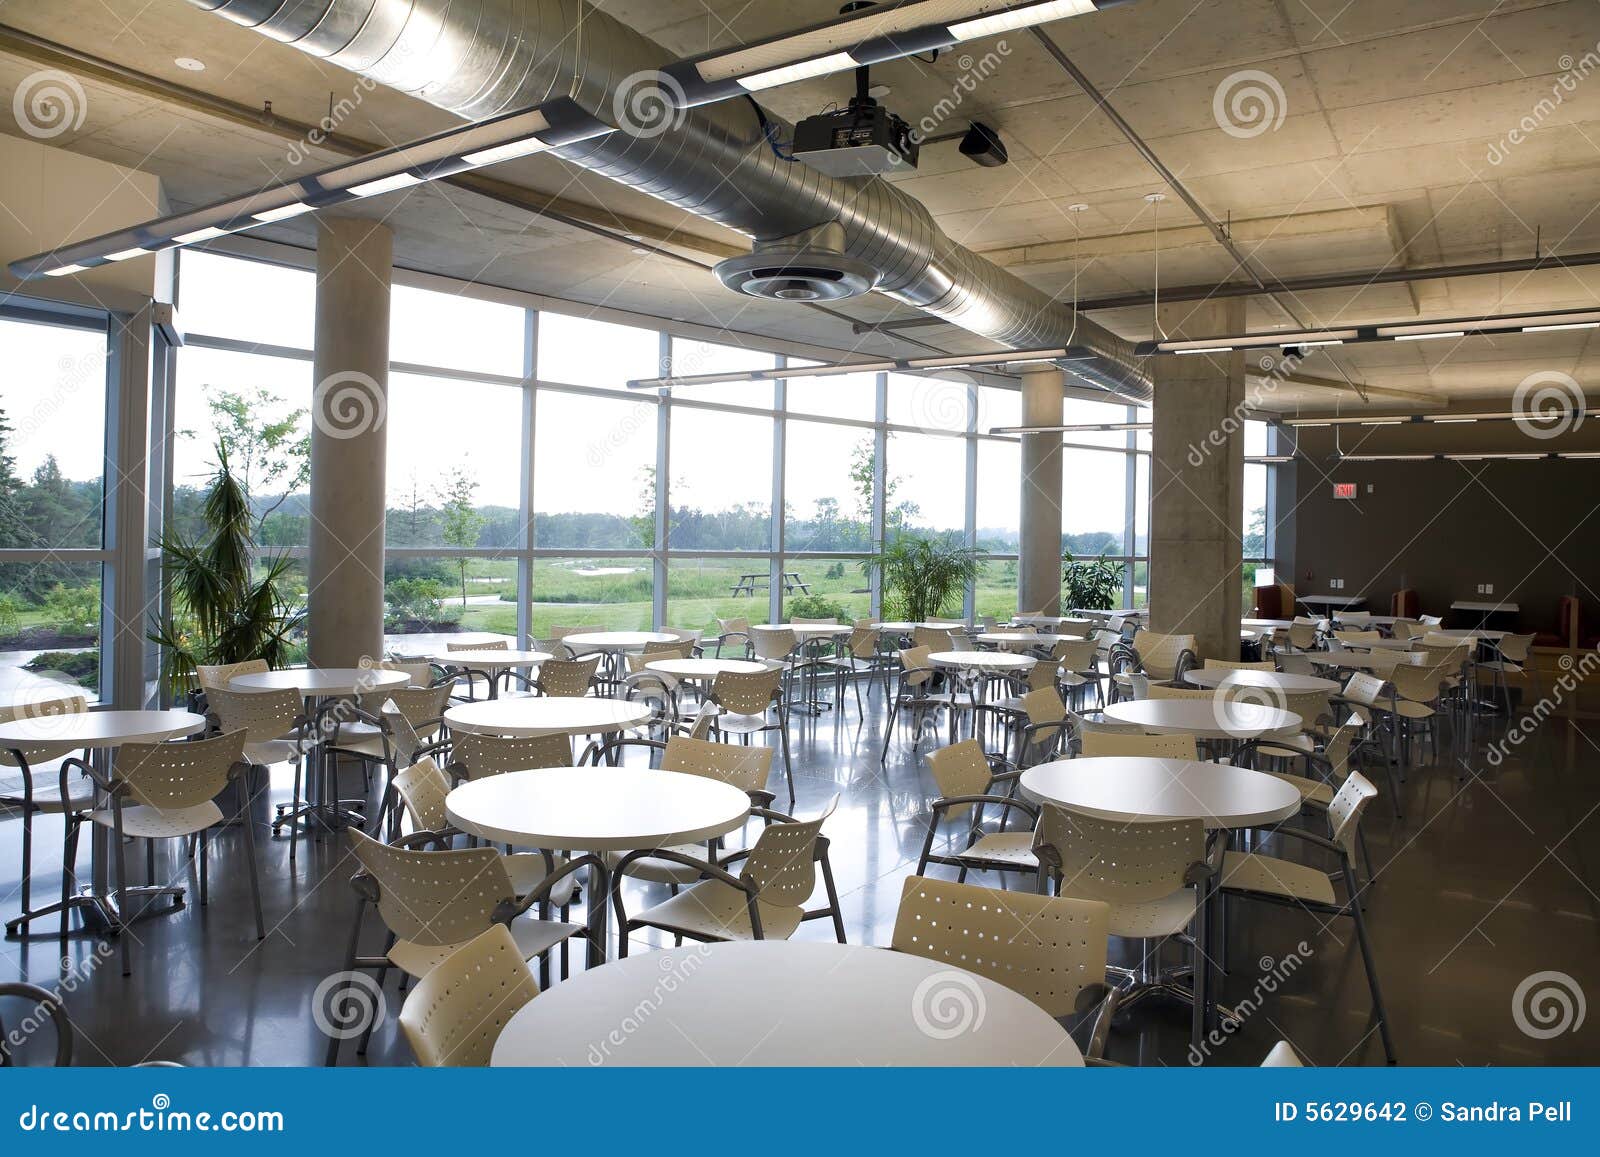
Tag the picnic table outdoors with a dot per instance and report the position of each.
(791, 582)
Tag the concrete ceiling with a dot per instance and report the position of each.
(1392, 150)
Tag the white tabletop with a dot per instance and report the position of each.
(1027, 638)
(1269, 680)
(982, 660)
(705, 668)
(618, 640)
(546, 715)
(493, 660)
(1208, 718)
(1133, 788)
(1485, 608)
(782, 1003)
(1348, 602)
(1375, 644)
(1456, 633)
(1126, 613)
(597, 809)
(1369, 661)
(1266, 624)
(807, 630)
(896, 628)
(313, 681)
(102, 728)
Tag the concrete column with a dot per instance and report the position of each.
(348, 441)
(1197, 483)
(1039, 567)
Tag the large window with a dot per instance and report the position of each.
(585, 352)
(827, 487)
(52, 503)
(721, 485)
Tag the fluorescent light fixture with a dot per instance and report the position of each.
(1452, 421)
(1579, 454)
(1019, 18)
(385, 185)
(1429, 336)
(506, 152)
(1559, 328)
(63, 270)
(126, 254)
(1206, 349)
(1073, 428)
(1494, 457)
(1249, 341)
(1006, 358)
(1384, 421)
(283, 213)
(209, 233)
(1270, 459)
(1388, 457)
(801, 70)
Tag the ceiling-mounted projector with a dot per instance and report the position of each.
(862, 140)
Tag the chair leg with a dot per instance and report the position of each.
(1372, 968)
(788, 767)
(833, 899)
(122, 885)
(69, 869)
(27, 856)
(255, 876)
(205, 874)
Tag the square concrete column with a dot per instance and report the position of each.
(349, 405)
(1197, 483)
(1039, 547)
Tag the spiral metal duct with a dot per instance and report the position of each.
(478, 58)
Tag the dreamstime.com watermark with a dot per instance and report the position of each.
(1547, 1004)
(1274, 973)
(1547, 404)
(948, 1004)
(1274, 372)
(1249, 103)
(1573, 73)
(1574, 672)
(348, 404)
(347, 1004)
(974, 71)
(49, 103)
(675, 973)
(159, 1117)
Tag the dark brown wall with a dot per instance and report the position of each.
(1441, 527)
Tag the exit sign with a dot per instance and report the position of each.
(1344, 489)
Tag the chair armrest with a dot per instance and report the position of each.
(1001, 801)
(509, 909)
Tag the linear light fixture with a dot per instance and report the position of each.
(1270, 459)
(942, 362)
(556, 122)
(1441, 419)
(1076, 428)
(886, 31)
(1387, 457)
(1493, 456)
(1579, 454)
(1455, 327)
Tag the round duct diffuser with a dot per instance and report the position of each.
(788, 273)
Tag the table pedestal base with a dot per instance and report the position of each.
(102, 914)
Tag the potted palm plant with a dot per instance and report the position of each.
(220, 607)
(923, 576)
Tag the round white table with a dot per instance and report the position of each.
(596, 809)
(1289, 684)
(546, 715)
(1377, 644)
(989, 662)
(782, 1003)
(701, 670)
(1266, 624)
(1141, 788)
(1377, 662)
(1208, 718)
(320, 682)
(896, 628)
(1026, 638)
(805, 632)
(618, 640)
(492, 665)
(101, 732)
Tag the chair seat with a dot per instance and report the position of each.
(148, 823)
(368, 746)
(47, 791)
(658, 871)
(712, 910)
(1311, 790)
(1504, 665)
(1288, 747)
(534, 937)
(743, 724)
(1013, 849)
(1268, 876)
(526, 870)
(271, 751)
(1167, 916)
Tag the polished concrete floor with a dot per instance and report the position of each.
(1490, 879)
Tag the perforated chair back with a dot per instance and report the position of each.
(1048, 948)
(420, 671)
(455, 1014)
(47, 708)
(1102, 743)
(485, 755)
(419, 705)
(1364, 689)
(1161, 691)
(960, 769)
(212, 675)
(863, 643)
(776, 644)
(746, 693)
(172, 776)
(914, 661)
(1078, 655)
(568, 678)
(1235, 665)
(434, 898)
(932, 638)
(1344, 813)
(782, 864)
(746, 768)
(831, 620)
(1115, 861)
(1159, 653)
(1044, 708)
(494, 645)
(422, 788)
(1348, 637)
(262, 715)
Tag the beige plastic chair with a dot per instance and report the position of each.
(966, 778)
(746, 768)
(480, 756)
(213, 675)
(734, 633)
(1160, 654)
(275, 731)
(743, 701)
(861, 657)
(1103, 743)
(164, 791)
(1051, 949)
(1302, 636)
(1078, 667)
(421, 672)
(434, 902)
(1161, 691)
(1514, 653)
(49, 781)
(765, 901)
(932, 638)
(422, 789)
(1235, 665)
(1349, 637)
(914, 692)
(567, 678)
(455, 1014)
(1251, 876)
(1149, 873)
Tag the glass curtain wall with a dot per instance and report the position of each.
(530, 489)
